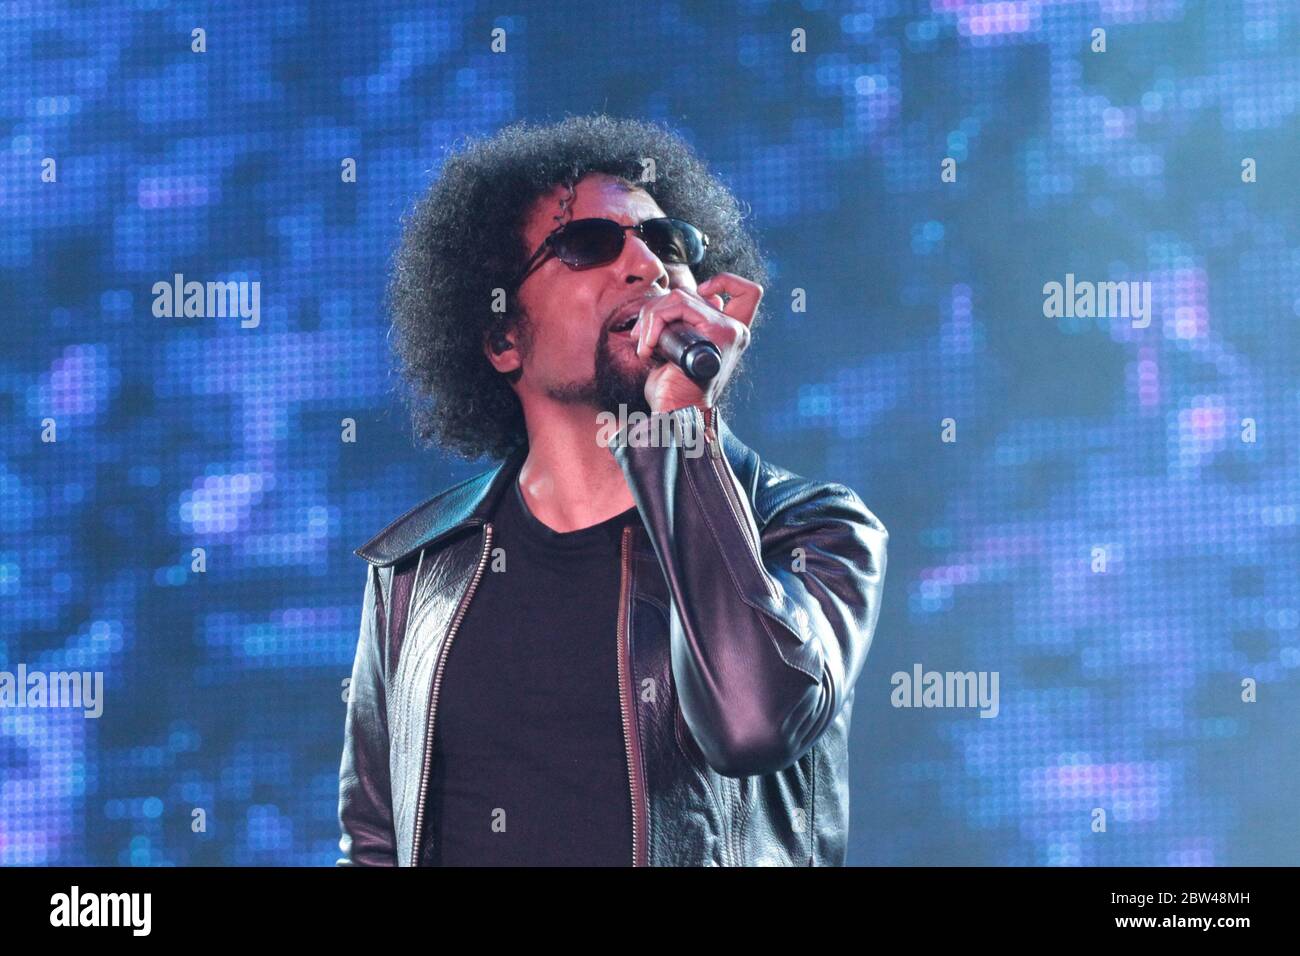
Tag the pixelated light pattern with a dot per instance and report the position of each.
(1113, 530)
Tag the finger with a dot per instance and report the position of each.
(716, 300)
(745, 295)
(667, 387)
(688, 308)
(677, 306)
(653, 318)
(647, 325)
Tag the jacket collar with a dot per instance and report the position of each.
(470, 503)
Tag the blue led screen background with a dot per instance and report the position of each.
(904, 311)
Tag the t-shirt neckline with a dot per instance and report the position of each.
(578, 538)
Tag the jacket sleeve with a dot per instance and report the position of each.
(365, 797)
(768, 633)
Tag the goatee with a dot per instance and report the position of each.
(612, 384)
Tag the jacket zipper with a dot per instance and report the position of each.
(729, 492)
(437, 685)
(631, 742)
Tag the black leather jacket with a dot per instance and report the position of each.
(745, 616)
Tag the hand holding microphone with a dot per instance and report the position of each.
(699, 336)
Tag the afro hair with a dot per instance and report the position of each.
(464, 239)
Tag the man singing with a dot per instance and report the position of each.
(611, 649)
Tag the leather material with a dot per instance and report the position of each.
(753, 600)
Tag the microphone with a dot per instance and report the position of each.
(690, 351)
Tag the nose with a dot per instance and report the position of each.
(637, 263)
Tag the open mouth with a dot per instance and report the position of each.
(630, 312)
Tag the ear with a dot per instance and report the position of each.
(507, 360)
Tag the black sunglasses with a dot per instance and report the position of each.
(584, 243)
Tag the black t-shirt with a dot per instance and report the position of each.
(529, 764)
